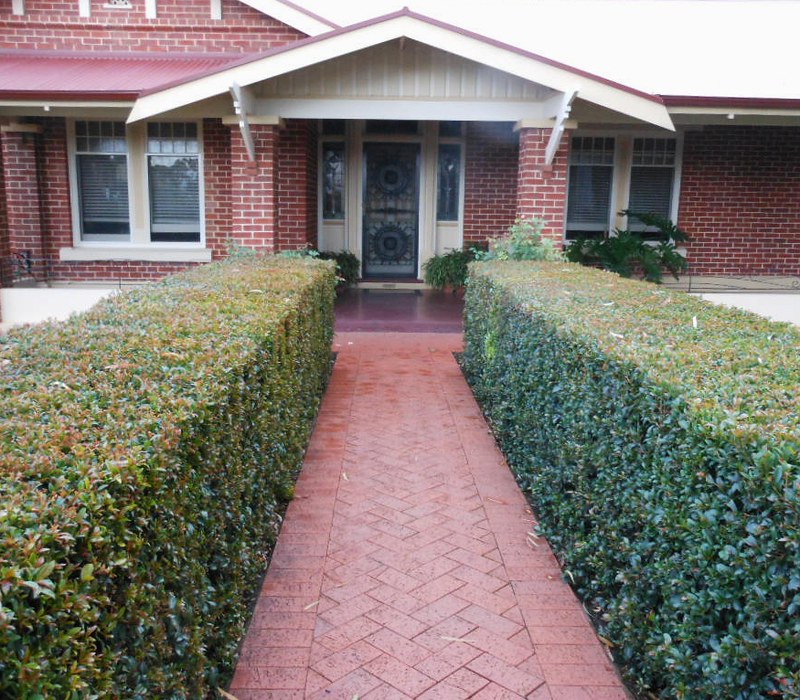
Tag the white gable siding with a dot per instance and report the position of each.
(402, 69)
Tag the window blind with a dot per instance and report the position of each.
(103, 194)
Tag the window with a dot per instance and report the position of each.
(447, 201)
(173, 172)
(333, 181)
(610, 174)
(101, 161)
(136, 184)
(652, 176)
(591, 172)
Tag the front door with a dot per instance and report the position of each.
(391, 210)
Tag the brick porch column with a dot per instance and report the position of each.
(23, 210)
(542, 189)
(254, 199)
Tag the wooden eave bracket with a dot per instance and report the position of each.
(557, 132)
(242, 104)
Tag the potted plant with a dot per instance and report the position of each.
(448, 271)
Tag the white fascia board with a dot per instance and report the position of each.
(47, 105)
(401, 108)
(737, 111)
(468, 47)
(293, 15)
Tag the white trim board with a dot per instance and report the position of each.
(310, 52)
(293, 15)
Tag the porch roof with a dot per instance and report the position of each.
(402, 25)
(53, 76)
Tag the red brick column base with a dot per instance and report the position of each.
(254, 188)
(542, 189)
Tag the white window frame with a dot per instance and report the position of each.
(461, 142)
(148, 153)
(136, 246)
(621, 176)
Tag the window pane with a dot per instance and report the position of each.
(333, 181)
(589, 198)
(103, 194)
(591, 150)
(651, 191)
(174, 198)
(449, 179)
(100, 137)
(591, 173)
(654, 152)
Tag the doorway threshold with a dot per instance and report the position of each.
(399, 285)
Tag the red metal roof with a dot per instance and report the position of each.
(98, 76)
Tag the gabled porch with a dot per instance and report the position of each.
(396, 139)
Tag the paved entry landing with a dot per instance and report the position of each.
(406, 567)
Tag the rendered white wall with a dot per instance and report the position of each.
(21, 305)
(778, 307)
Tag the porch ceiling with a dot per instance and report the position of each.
(396, 63)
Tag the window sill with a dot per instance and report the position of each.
(97, 252)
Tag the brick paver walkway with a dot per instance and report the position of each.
(405, 567)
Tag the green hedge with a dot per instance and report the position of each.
(145, 448)
(658, 436)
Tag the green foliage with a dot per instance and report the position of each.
(659, 439)
(448, 270)
(632, 252)
(348, 266)
(144, 449)
(523, 241)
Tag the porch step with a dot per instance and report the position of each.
(399, 285)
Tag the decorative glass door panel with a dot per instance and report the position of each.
(391, 209)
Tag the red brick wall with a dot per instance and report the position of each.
(541, 189)
(297, 185)
(740, 200)
(5, 245)
(181, 26)
(23, 208)
(54, 175)
(490, 187)
(253, 189)
(217, 181)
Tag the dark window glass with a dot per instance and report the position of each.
(102, 170)
(333, 181)
(448, 182)
(392, 126)
(591, 173)
(652, 178)
(173, 169)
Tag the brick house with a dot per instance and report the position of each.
(142, 136)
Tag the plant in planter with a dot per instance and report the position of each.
(448, 270)
(633, 252)
(348, 267)
(523, 241)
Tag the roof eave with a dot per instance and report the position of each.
(404, 23)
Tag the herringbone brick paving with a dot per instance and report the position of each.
(405, 567)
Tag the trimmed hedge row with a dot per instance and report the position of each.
(659, 438)
(145, 448)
